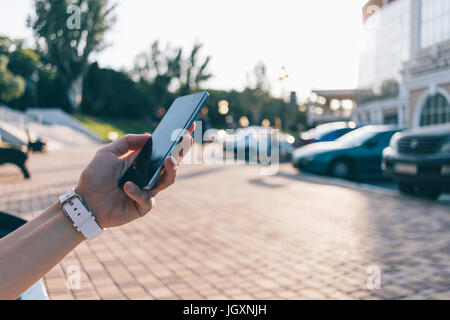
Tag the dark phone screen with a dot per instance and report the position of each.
(178, 117)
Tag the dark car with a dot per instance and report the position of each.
(326, 132)
(419, 160)
(355, 155)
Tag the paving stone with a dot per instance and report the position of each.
(227, 232)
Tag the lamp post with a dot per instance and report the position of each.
(282, 79)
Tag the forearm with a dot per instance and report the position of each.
(28, 253)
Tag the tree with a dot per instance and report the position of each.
(112, 93)
(257, 91)
(164, 71)
(24, 62)
(68, 32)
(157, 70)
(195, 70)
(11, 86)
(5, 45)
(390, 88)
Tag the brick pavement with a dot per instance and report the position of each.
(226, 232)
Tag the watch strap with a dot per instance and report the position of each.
(83, 219)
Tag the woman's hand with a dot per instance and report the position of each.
(98, 184)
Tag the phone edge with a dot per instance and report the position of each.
(188, 124)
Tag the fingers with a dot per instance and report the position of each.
(143, 199)
(168, 176)
(131, 142)
(126, 143)
(183, 148)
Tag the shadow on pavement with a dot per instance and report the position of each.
(200, 172)
(262, 183)
(374, 185)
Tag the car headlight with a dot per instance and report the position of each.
(394, 140)
(445, 147)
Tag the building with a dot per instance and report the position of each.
(405, 63)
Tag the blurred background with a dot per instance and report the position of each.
(358, 89)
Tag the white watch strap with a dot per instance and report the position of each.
(83, 220)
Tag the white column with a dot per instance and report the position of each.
(380, 115)
(415, 26)
(403, 106)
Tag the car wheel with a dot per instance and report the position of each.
(406, 188)
(341, 169)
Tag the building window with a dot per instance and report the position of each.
(387, 36)
(390, 118)
(435, 110)
(435, 22)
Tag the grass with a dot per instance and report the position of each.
(104, 125)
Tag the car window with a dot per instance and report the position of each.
(323, 129)
(341, 132)
(328, 136)
(384, 138)
(356, 137)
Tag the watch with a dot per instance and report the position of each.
(83, 220)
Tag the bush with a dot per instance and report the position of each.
(111, 93)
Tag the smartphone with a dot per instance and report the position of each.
(146, 168)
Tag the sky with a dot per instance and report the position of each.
(317, 41)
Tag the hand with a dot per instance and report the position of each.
(98, 184)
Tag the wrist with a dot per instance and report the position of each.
(65, 224)
(83, 220)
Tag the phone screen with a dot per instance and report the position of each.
(179, 117)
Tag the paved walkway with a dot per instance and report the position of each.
(228, 232)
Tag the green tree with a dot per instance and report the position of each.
(11, 86)
(24, 62)
(112, 93)
(5, 45)
(390, 88)
(164, 71)
(195, 70)
(157, 70)
(67, 33)
(257, 92)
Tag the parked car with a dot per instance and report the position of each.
(326, 132)
(251, 141)
(419, 160)
(356, 154)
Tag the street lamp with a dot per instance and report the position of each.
(282, 79)
(223, 107)
(265, 123)
(243, 121)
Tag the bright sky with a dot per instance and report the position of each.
(318, 41)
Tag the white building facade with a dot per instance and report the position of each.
(408, 43)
